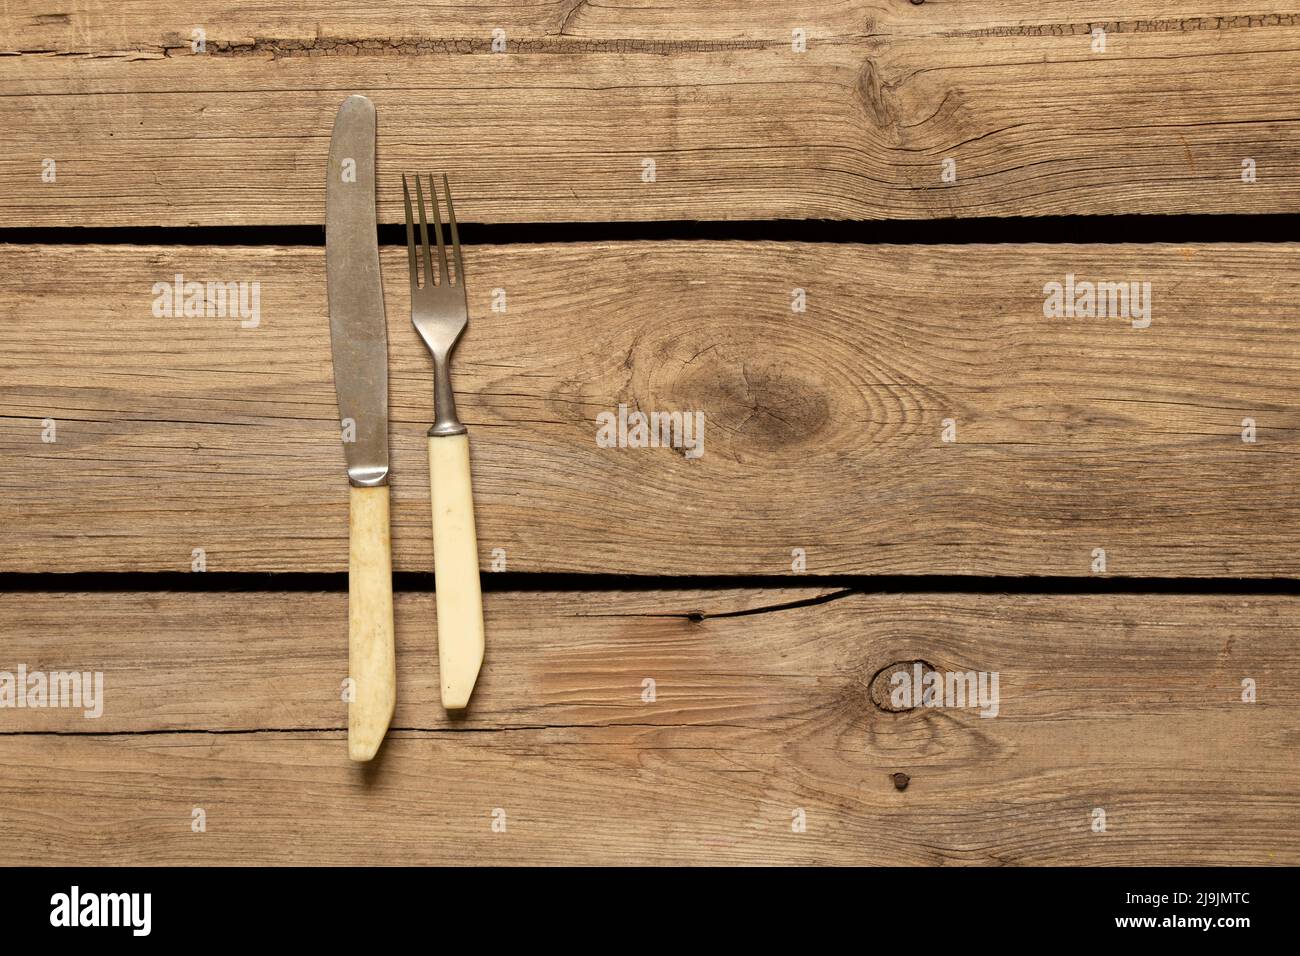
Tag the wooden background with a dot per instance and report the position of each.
(1120, 690)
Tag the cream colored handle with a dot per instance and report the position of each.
(455, 568)
(372, 661)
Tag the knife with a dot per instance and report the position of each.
(359, 342)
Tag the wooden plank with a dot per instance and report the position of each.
(147, 28)
(1127, 703)
(739, 125)
(823, 430)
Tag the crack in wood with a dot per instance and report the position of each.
(699, 617)
(1164, 25)
(283, 47)
(318, 731)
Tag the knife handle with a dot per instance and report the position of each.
(455, 568)
(371, 658)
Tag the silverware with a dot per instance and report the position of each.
(359, 342)
(440, 312)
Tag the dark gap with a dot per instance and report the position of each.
(421, 581)
(1276, 227)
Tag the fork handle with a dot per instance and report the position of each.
(455, 567)
(371, 659)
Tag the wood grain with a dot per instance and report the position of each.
(823, 429)
(692, 725)
(763, 705)
(739, 125)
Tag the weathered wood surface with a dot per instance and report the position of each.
(1126, 703)
(823, 429)
(738, 123)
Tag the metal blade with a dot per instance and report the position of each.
(358, 331)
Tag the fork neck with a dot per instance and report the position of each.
(445, 421)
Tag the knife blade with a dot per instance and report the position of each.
(358, 331)
(359, 346)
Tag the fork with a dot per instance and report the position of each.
(440, 312)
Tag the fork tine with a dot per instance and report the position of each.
(410, 237)
(455, 238)
(424, 233)
(437, 226)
